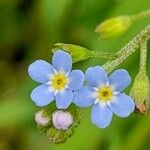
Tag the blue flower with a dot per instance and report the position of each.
(105, 95)
(58, 82)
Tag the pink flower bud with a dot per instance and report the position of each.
(40, 119)
(62, 120)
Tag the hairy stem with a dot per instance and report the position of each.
(128, 49)
(106, 55)
(140, 15)
(143, 55)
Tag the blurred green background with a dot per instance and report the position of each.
(28, 31)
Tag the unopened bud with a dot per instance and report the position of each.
(78, 53)
(41, 118)
(62, 120)
(140, 92)
(113, 27)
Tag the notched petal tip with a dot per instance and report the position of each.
(101, 115)
(122, 105)
(96, 76)
(42, 96)
(120, 79)
(40, 71)
(76, 79)
(62, 61)
(64, 99)
(83, 97)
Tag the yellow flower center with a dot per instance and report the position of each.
(105, 93)
(59, 81)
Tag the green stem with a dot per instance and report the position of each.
(140, 15)
(105, 55)
(128, 49)
(143, 55)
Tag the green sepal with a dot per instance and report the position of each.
(113, 27)
(47, 111)
(60, 136)
(78, 53)
(140, 92)
(43, 128)
(141, 88)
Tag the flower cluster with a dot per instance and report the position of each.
(61, 84)
(105, 95)
(58, 81)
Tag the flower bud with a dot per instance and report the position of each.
(140, 92)
(41, 118)
(62, 120)
(78, 53)
(113, 27)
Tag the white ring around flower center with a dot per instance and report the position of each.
(104, 94)
(58, 81)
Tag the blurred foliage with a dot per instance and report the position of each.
(28, 30)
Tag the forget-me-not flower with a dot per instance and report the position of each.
(105, 95)
(58, 82)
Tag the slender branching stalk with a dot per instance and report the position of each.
(141, 15)
(128, 49)
(143, 55)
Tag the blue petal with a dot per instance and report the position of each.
(101, 115)
(62, 61)
(83, 97)
(122, 105)
(42, 95)
(76, 79)
(40, 71)
(119, 79)
(96, 76)
(64, 99)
